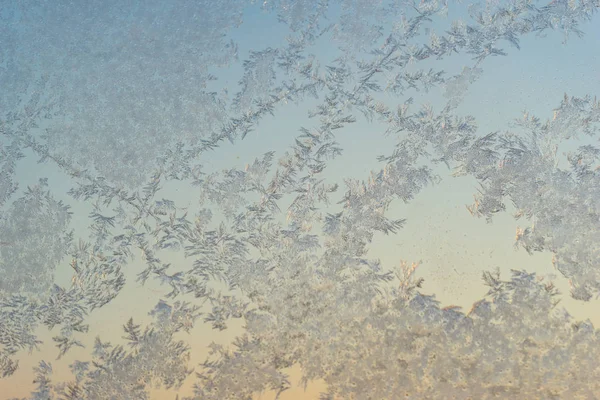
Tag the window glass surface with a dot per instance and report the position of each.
(299, 199)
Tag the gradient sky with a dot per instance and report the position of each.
(453, 247)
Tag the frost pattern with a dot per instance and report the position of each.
(34, 240)
(119, 98)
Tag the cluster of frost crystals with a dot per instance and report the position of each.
(9, 155)
(373, 340)
(297, 14)
(154, 358)
(24, 103)
(324, 307)
(33, 240)
(457, 87)
(129, 79)
(562, 205)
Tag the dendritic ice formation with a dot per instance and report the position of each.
(125, 100)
